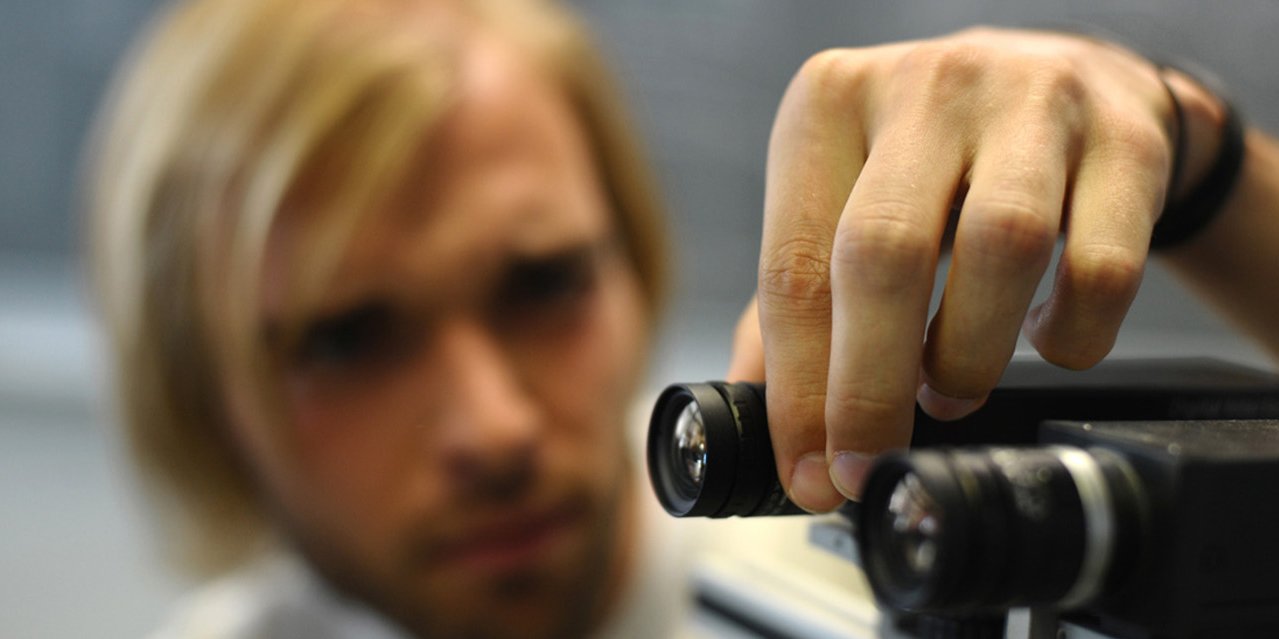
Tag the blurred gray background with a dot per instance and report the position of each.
(703, 78)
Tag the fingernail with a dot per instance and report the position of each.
(810, 484)
(945, 407)
(849, 472)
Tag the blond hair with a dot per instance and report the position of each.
(221, 111)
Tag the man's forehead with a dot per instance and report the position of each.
(497, 177)
(439, 264)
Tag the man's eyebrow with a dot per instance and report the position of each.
(576, 251)
(581, 248)
(281, 330)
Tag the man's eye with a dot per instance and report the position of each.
(361, 336)
(544, 284)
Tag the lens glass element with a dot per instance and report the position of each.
(913, 525)
(689, 443)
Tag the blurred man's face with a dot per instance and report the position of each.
(454, 451)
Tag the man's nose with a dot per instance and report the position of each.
(489, 420)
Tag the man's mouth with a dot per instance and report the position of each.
(515, 541)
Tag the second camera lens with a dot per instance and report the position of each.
(991, 528)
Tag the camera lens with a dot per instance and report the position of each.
(915, 522)
(994, 528)
(709, 453)
(689, 446)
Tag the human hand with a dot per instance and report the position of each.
(1031, 134)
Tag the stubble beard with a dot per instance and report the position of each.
(588, 591)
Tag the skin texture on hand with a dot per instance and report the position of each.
(1030, 136)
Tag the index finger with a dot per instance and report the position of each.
(816, 152)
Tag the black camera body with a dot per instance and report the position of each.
(1032, 392)
(1132, 529)
(1205, 564)
(1135, 500)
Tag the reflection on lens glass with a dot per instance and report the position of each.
(690, 443)
(914, 522)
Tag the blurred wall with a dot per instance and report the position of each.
(703, 76)
(55, 57)
(706, 77)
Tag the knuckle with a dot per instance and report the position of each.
(1142, 142)
(795, 271)
(1100, 282)
(943, 58)
(1012, 228)
(1104, 275)
(831, 77)
(941, 68)
(826, 66)
(884, 248)
(1057, 85)
(980, 32)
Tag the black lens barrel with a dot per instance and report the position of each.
(1015, 528)
(740, 475)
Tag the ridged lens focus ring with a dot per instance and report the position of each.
(709, 453)
(994, 528)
